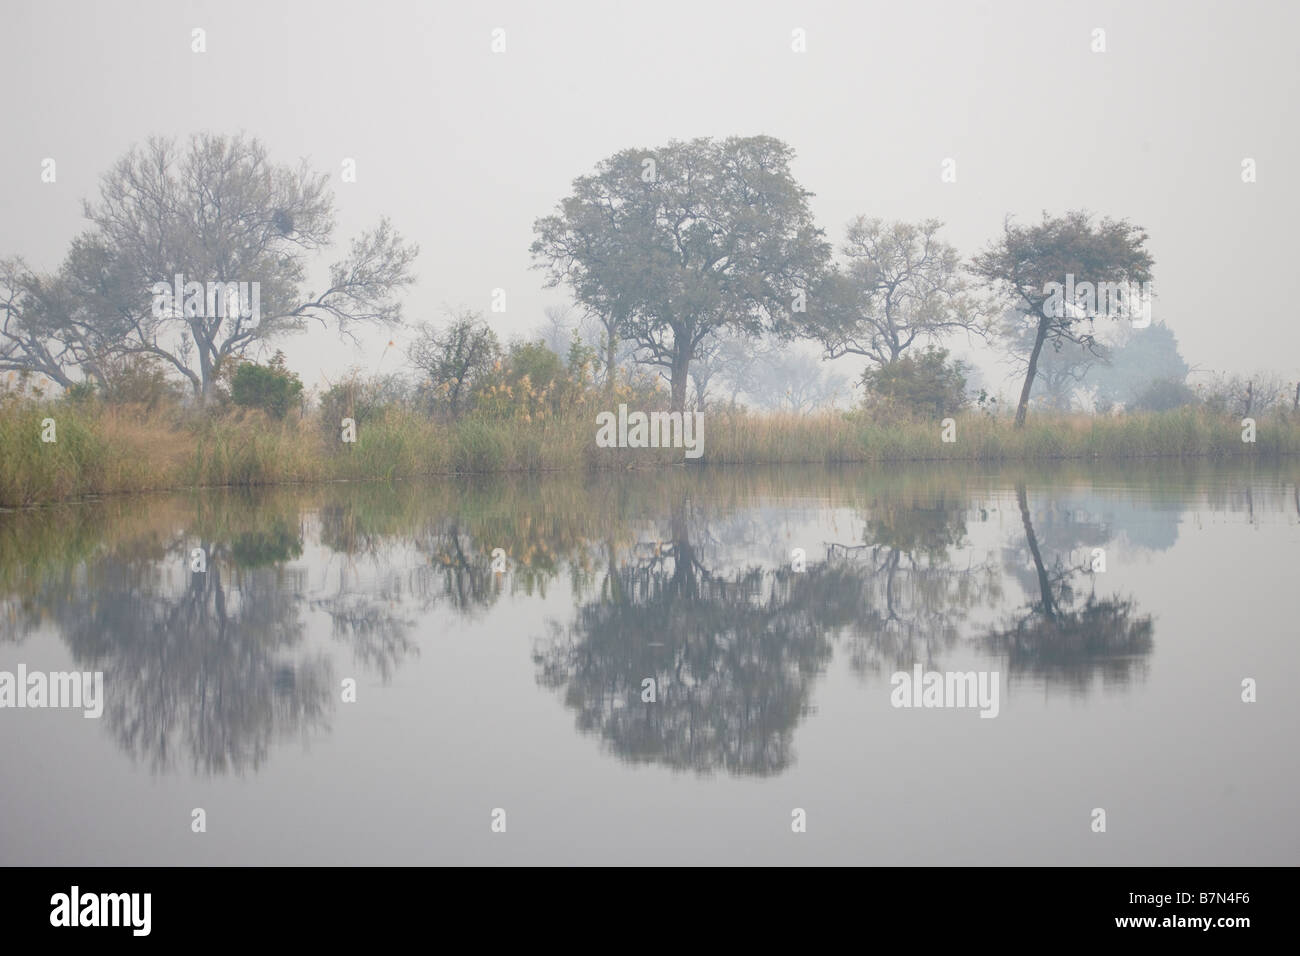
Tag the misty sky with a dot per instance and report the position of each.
(464, 148)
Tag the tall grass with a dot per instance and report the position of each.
(104, 450)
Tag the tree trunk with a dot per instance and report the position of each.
(681, 365)
(611, 350)
(1044, 583)
(1023, 408)
(206, 377)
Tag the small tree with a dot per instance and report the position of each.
(273, 388)
(898, 285)
(455, 361)
(924, 384)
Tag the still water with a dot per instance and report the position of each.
(1121, 609)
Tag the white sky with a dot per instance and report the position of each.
(464, 148)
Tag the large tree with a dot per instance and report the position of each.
(677, 243)
(1025, 262)
(898, 284)
(218, 212)
(62, 327)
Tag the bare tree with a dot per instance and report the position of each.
(898, 284)
(221, 215)
(455, 359)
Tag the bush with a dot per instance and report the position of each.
(926, 385)
(135, 380)
(272, 388)
(1164, 395)
(532, 385)
(362, 400)
(455, 363)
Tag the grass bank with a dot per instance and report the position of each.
(99, 450)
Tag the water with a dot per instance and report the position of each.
(522, 690)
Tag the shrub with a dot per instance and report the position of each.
(362, 400)
(135, 380)
(925, 385)
(272, 388)
(455, 363)
(1164, 395)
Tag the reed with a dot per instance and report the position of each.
(103, 450)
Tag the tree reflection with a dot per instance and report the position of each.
(914, 593)
(212, 672)
(734, 657)
(1060, 639)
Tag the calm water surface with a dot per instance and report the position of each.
(522, 689)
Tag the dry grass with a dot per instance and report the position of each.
(104, 450)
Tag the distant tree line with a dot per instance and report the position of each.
(697, 265)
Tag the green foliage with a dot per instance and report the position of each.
(535, 362)
(582, 362)
(676, 243)
(360, 399)
(272, 388)
(924, 385)
(267, 547)
(80, 392)
(1025, 262)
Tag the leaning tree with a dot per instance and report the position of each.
(1030, 264)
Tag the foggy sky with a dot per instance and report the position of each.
(464, 148)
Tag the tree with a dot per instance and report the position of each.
(724, 362)
(456, 360)
(1057, 638)
(1149, 355)
(677, 243)
(1026, 261)
(1064, 366)
(272, 388)
(239, 228)
(899, 284)
(787, 380)
(61, 327)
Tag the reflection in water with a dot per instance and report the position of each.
(1057, 639)
(915, 591)
(734, 656)
(683, 577)
(208, 666)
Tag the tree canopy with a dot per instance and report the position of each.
(679, 242)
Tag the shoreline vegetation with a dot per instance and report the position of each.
(701, 285)
(102, 449)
